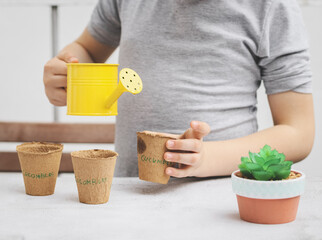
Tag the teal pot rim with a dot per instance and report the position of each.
(279, 189)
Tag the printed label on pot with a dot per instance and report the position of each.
(93, 181)
(153, 160)
(38, 175)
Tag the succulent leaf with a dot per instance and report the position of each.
(271, 162)
(259, 160)
(245, 160)
(267, 148)
(252, 157)
(268, 164)
(242, 165)
(275, 152)
(245, 171)
(262, 175)
(253, 167)
(274, 168)
(282, 156)
(282, 174)
(273, 157)
(265, 151)
(287, 163)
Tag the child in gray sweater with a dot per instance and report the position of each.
(201, 62)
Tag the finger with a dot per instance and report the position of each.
(57, 97)
(55, 67)
(192, 145)
(198, 130)
(61, 95)
(60, 68)
(57, 103)
(184, 158)
(57, 81)
(60, 81)
(67, 57)
(178, 173)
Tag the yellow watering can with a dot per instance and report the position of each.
(92, 88)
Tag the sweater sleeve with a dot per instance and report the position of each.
(283, 50)
(105, 24)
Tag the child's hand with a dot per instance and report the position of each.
(190, 141)
(55, 78)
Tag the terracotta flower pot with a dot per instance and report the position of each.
(268, 202)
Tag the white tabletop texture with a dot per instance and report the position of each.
(183, 209)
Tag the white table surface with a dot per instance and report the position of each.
(183, 209)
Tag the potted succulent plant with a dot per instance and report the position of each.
(267, 190)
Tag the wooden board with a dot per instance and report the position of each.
(51, 132)
(9, 162)
(57, 132)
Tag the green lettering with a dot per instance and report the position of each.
(159, 161)
(154, 160)
(93, 181)
(38, 175)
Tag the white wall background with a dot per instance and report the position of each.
(25, 46)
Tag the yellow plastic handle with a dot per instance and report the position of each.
(129, 81)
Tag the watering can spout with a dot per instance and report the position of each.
(129, 81)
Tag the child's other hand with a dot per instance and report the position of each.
(192, 142)
(55, 78)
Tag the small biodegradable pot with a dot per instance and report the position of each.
(39, 162)
(268, 202)
(151, 147)
(94, 170)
